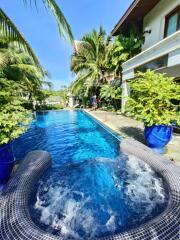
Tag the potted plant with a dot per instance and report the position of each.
(154, 100)
(13, 122)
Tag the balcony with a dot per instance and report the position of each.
(169, 46)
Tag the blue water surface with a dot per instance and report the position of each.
(69, 136)
(92, 189)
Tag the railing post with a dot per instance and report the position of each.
(125, 90)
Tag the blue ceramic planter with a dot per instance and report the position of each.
(6, 162)
(158, 136)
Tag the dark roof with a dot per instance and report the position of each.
(134, 14)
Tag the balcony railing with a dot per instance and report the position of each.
(161, 48)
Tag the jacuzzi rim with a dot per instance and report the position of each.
(38, 161)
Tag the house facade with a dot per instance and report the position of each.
(159, 22)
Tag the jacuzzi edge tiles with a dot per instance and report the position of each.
(16, 223)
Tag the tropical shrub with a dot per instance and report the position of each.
(14, 118)
(152, 99)
(124, 47)
(45, 107)
(131, 43)
(111, 94)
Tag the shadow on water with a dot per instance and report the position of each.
(135, 132)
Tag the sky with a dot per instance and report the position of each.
(40, 29)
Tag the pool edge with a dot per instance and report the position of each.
(106, 126)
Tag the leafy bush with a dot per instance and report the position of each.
(152, 99)
(13, 122)
(111, 95)
(124, 47)
(13, 118)
(49, 107)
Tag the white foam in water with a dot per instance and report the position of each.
(111, 225)
(71, 212)
(144, 187)
(61, 211)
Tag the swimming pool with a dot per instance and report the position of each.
(91, 190)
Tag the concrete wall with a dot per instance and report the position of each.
(71, 101)
(155, 21)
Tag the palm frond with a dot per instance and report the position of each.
(90, 61)
(47, 83)
(79, 81)
(3, 59)
(63, 26)
(9, 29)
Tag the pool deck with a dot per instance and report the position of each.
(128, 127)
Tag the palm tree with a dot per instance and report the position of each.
(9, 29)
(89, 60)
(21, 70)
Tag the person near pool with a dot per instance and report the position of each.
(94, 102)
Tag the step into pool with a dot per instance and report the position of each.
(92, 189)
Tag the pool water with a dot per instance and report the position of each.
(92, 189)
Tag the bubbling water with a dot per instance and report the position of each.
(98, 197)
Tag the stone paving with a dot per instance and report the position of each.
(128, 127)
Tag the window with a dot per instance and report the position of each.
(153, 65)
(172, 22)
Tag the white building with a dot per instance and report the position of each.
(72, 100)
(159, 20)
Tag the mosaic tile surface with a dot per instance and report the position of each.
(16, 224)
